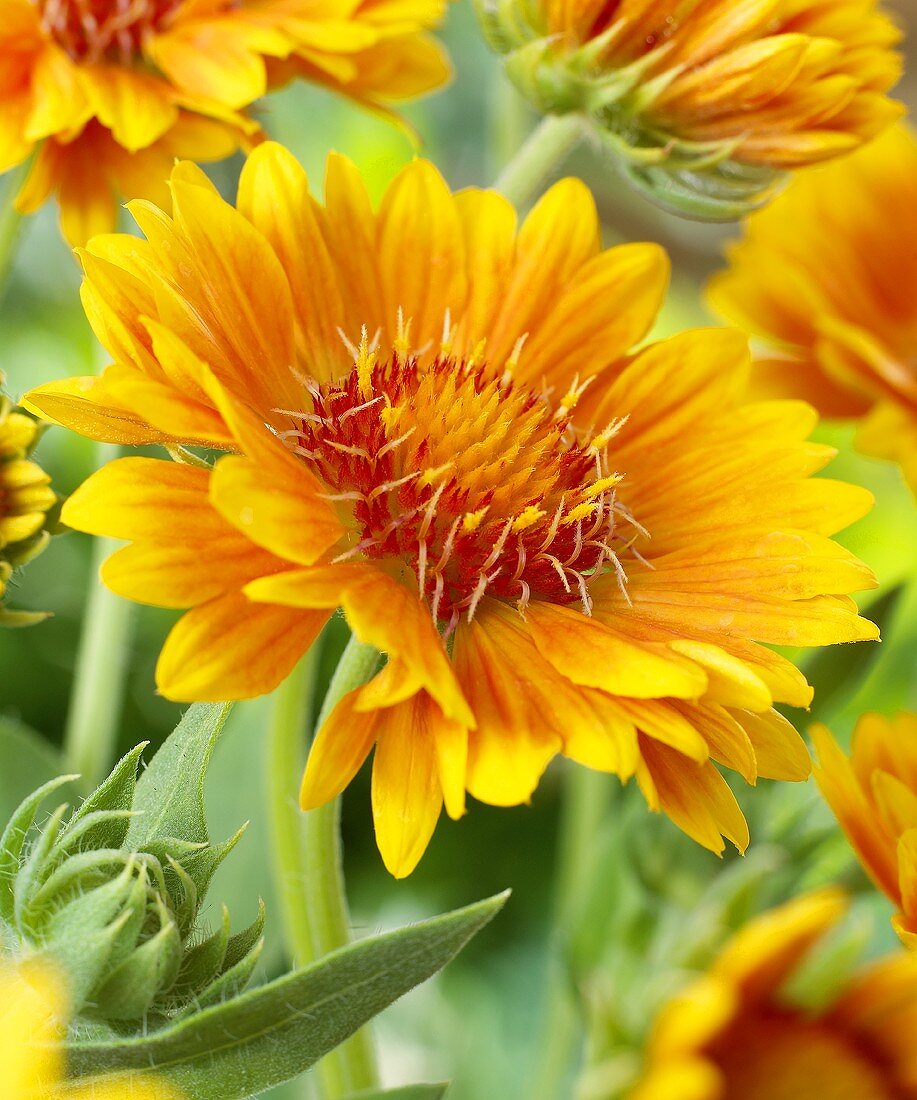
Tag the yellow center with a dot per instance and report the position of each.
(782, 1056)
(476, 485)
(93, 30)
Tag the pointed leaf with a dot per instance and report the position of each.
(13, 841)
(170, 793)
(271, 1034)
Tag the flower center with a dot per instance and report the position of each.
(474, 483)
(778, 1055)
(96, 30)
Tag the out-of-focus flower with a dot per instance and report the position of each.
(33, 1022)
(107, 93)
(26, 497)
(736, 1033)
(706, 102)
(561, 545)
(873, 794)
(826, 277)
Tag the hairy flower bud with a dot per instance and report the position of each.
(27, 501)
(119, 918)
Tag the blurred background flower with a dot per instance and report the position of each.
(704, 105)
(825, 279)
(105, 96)
(26, 502)
(768, 1018)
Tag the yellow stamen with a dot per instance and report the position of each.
(428, 477)
(366, 361)
(402, 342)
(601, 441)
(602, 485)
(582, 511)
(471, 521)
(528, 517)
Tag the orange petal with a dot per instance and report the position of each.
(230, 648)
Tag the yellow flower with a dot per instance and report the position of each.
(25, 499)
(874, 797)
(33, 1014)
(561, 545)
(706, 102)
(826, 277)
(107, 95)
(735, 1033)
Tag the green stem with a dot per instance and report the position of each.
(100, 677)
(352, 1066)
(585, 800)
(291, 719)
(548, 145)
(509, 121)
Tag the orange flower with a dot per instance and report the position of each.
(874, 797)
(560, 544)
(108, 93)
(736, 1033)
(826, 277)
(706, 102)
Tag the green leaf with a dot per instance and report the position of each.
(26, 761)
(269, 1035)
(408, 1092)
(170, 793)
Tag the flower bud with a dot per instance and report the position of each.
(120, 924)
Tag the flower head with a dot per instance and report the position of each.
(826, 278)
(26, 497)
(108, 93)
(738, 1033)
(33, 1023)
(562, 545)
(707, 102)
(873, 794)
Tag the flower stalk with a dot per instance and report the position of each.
(100, 676)
(585, 799)
(320, 909)
(547, 147)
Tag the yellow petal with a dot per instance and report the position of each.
(406, 793)
(590, 654)
(230, 648)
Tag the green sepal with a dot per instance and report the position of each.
(115, 793)
(13, 839)
(78, 875)
(232, 1050)
(130, 990)
(99, 829)
(32, 871)
(231, 981)
(203, 963)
